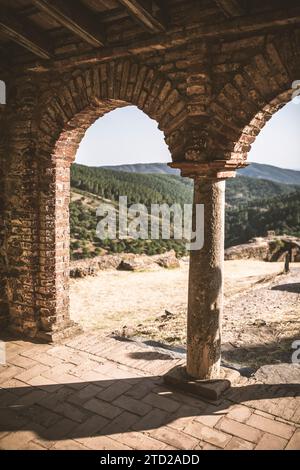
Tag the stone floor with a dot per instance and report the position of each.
(106, 394)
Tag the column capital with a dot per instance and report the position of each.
(214, 170)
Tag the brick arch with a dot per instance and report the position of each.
(81, 99)
(64, 116)
(245, 104)
(251, 131)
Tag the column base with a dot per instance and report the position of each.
(56, 336)
(207, 389)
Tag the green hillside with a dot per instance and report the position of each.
(242, 190)
(253, 206)
(254, 219)
(139, 188)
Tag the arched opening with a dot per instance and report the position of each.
(263, 240)
(63, 123)
(122, 137)
(120, 284)
(278, 143)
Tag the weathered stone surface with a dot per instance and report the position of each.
(209, 389)
(142, 263)
(205, 305)
(124, 262)
(271, 248)
(279, 374)
(83, 268)
(167, 260)
(258, 249)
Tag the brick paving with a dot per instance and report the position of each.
(102, 393)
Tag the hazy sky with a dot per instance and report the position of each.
(127, 135)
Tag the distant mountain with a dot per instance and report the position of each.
(271, 173)
(253, 206)
(156, 188)
(153, 168)
(254, 170)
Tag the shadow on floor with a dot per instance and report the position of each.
(257, 355)
(293, 288)
(107, 407)
(7, 336)
(149, 356)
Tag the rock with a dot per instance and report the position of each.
(90, 267)
(279, 374)
(137, 264)
(83, 268)
(168, 260)
(109, 262)
(271, 248)
(259, 323)
(257, 249)
(123, 262)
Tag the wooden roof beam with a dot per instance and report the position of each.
(73, 17)
(141, 12)
(230, 8)
(23, 34)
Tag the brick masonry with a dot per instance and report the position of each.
(91, 393)
(210, 97)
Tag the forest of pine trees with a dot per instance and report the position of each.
(253, 207)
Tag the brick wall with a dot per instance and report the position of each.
(3, 298)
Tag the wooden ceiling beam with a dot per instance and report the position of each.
(23, 34)
(230, 8)
(143, 14)
(74, 17)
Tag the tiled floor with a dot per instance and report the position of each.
(106, 394)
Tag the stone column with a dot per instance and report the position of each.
(205, 305)
(206, 283)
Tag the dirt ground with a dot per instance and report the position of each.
(261, 313)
